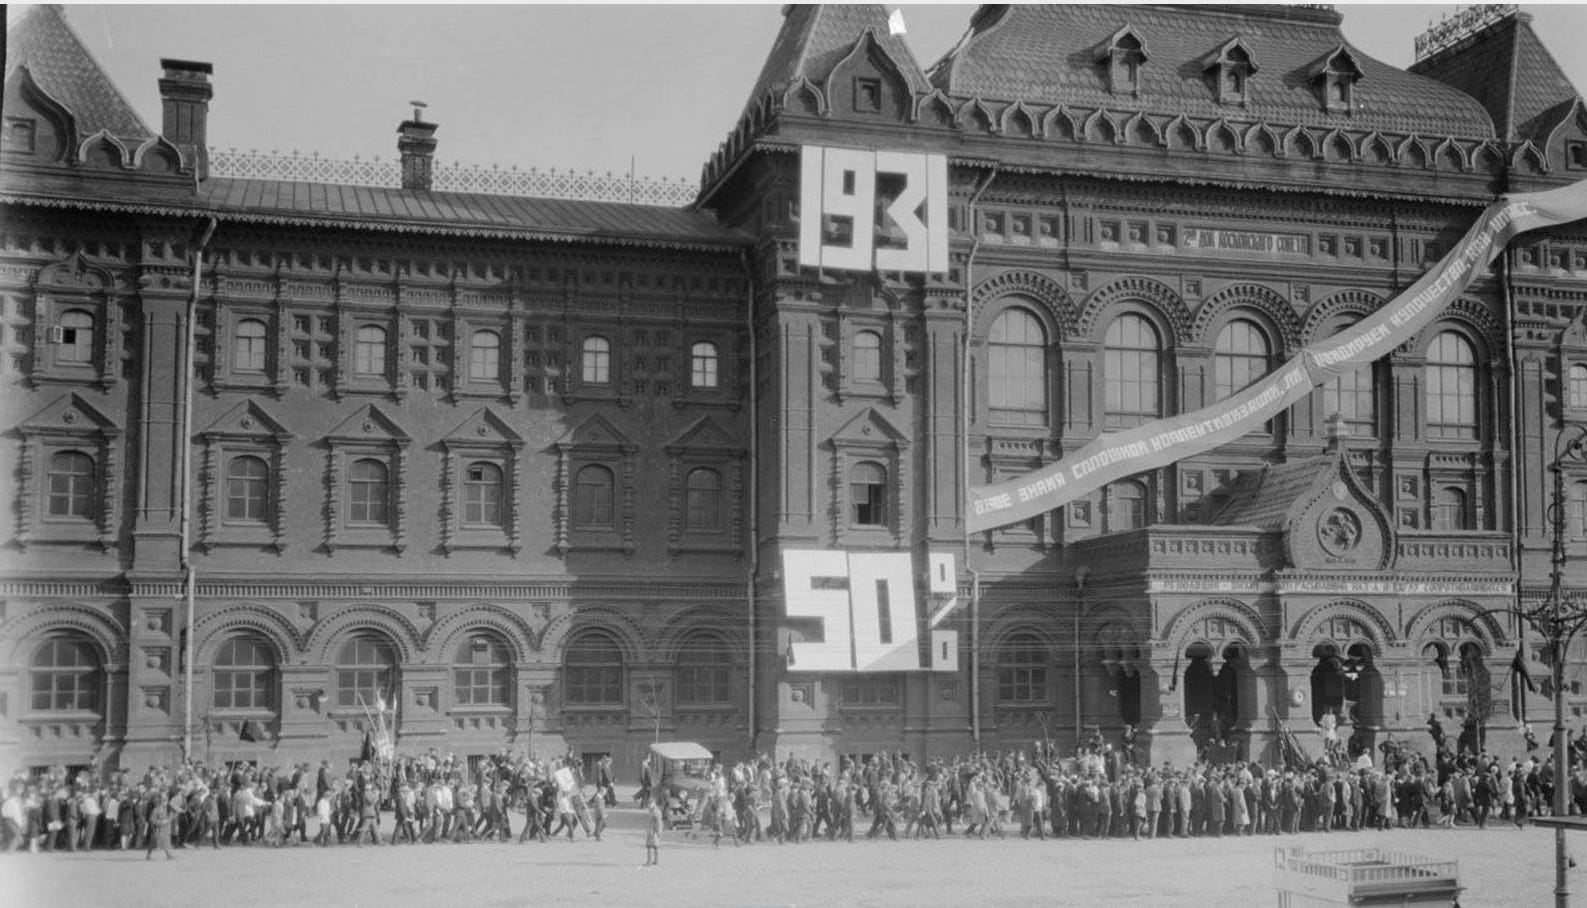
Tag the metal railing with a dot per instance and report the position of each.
(533, 182)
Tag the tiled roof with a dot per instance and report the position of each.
(44, 42)
(1048, 54)
(1509, 70)
(383, 209)
(461, 211)
(1262, 498)
(815, 37)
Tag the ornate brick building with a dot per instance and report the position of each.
(528, 467)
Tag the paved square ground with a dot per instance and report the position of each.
(1501, 867)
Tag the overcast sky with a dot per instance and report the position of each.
(583, 87)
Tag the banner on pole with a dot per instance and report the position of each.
(1156, 444)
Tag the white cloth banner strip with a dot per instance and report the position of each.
(1116, 455)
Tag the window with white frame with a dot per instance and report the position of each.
(1017, 369)
(244, 674)
(247, 490)
(703, 365)
(72, 486)
(248, 346)
(484, 356)
(1451, 373)
(596, 361)
(1131, 351)
(369, 351)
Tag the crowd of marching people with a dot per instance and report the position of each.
(1100, 792)
(425, 799)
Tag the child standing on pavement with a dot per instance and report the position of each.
(653, 835)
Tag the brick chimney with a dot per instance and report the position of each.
(416, 143)
(185, 91)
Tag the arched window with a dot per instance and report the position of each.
(369, 351)
(248, 346)
(247, 490)
(867, 356)
(366, 670)
(703, 671)
(1127, 506)
(1240, 356)
(482, 494)
(77, 337)
(1451, 387)
(593, 671)
(702, 365)
(369, 492)
(868, 494)
(245, 674)
(1577, 394)
(1449, 510)
(1130, 354)
(71, 482)
(597, 361)
(1017, 369)
(703, 500)
(484, 356)
(1022, 670)
(482, 672)
(592, 498)
(65, 676)
(1354, 396)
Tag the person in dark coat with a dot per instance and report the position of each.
(1213, 805)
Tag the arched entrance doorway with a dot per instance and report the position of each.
(1219, 695)
(1347, 691)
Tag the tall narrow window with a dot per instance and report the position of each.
(1127, 506)
(244, 676)
(593, 671)
(702, 365)
(365, 671)
(703, 671)
(1022, 670)
(247, 490)
(1450, 511)
(1354, 397)
(703, 500)
(597, 361)
(369, 492)
(484, 356)
(1240, 357)
(71, 484)
(868, 494)
(481, 673)
(77, 337)
(1130, 355)
(1451, 387)
(867, 356)
(1577, 394)
(1017, 367)
(65, 676)
(369, 351)
(482, 494)
(248, 348)
(592, 499)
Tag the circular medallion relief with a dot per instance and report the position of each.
(1339, 531)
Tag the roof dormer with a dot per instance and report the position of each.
(1335, 77)
(1230, 68)
(1122, 56)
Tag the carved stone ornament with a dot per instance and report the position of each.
(1339, 531)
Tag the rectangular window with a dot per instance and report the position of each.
(881, 691)
(594, 686)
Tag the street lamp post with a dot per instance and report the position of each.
(1558, 622)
